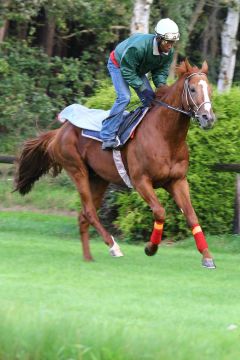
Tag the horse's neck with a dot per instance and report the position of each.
(174, 124)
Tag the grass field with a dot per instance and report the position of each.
(56, 194)
(55, 306)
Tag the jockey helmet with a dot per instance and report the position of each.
(167, 29)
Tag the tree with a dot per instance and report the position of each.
(229, 47)
(3, 19)
(140, 18)
(195, 15)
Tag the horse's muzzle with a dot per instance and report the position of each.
(206, 120)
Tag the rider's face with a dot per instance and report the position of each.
(166, 45)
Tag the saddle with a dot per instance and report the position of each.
(126, 129)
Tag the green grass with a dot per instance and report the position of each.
(49, 194)
(55, 306)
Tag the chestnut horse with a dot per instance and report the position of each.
(157, 156)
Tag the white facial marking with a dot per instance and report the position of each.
(208, 105)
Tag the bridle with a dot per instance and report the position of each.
(186, 95)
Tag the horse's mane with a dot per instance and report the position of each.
(183, 69)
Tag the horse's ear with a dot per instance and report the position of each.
(188, 66)
(204, 68)
(183, 68)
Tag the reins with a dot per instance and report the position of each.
(128, 108)
(161, 103)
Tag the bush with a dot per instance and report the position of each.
(34, 88)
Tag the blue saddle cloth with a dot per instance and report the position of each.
(129, 124)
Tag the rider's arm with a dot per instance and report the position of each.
(159, 76)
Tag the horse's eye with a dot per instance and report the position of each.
(192, 89)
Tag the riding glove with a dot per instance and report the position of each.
(147, 97)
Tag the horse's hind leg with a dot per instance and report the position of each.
(179, 189)
(98, 187)
(80, 177)
(81, 181)
(66, 152)
(84, 234)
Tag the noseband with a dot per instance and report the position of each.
(187, 95)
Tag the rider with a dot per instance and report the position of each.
(128, 64)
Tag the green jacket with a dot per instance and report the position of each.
(139, 55)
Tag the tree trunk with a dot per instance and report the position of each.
(3, 30)
(210, 35)
(213, 45)
(140, 18)
(195, 15)
(49, 34)
(4, 27)
(229, 47)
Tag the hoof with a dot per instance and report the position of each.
(151, 249)
(208, 263)
(115, 250)
(88, 258)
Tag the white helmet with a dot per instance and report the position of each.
(167, 30)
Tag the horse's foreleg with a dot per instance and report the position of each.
(179, 189)
(145, 189)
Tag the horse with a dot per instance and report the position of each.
(156, 156)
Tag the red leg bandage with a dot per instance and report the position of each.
(199, 238)
(156, 236)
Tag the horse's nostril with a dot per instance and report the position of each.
(206, 121)
(208, 117)
(205, 116)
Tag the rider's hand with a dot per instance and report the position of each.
(147, 97)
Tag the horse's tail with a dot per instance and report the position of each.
(35, 160)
